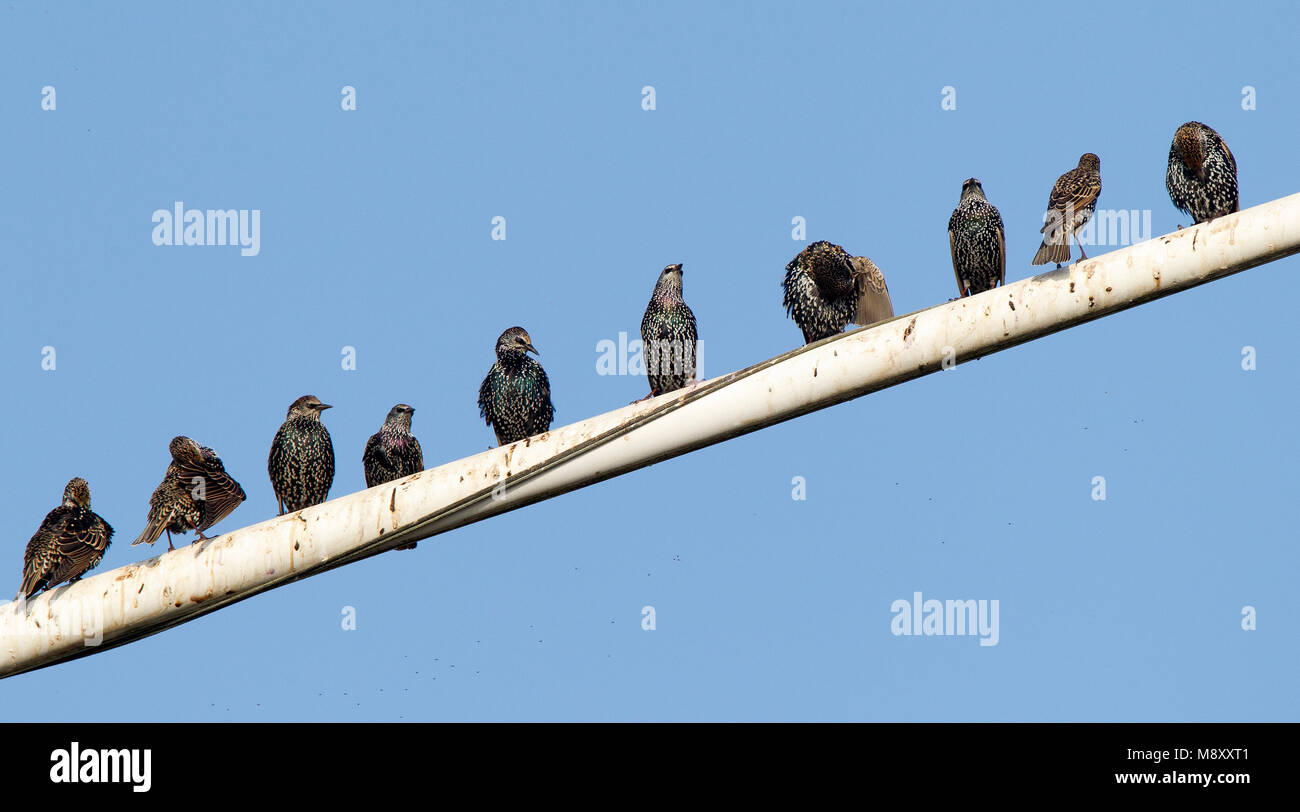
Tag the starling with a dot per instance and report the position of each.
(393, 452)
(826, 289)
(195, 493)
(70, 542)
(1202, 174)
(301, 463)
(977, 241)
(515, 397)
(1069, 207)
(668, 335)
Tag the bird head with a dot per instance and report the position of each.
(307, 406)
(515, 343)
(1189, 141)
(670, 280)
(972, 188)
(400, 415)
(1090, 162)
(185, 450)
(77, 493)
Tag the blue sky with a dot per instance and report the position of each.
(376, 234)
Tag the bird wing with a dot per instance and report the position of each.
(419, 454)
(1075, 189)
(1227, 153)
(873, 294)
(221, 492)
(952, 251)
(81, 541)
(1002, 247)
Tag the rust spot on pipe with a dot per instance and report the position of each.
(199, 598)
(1108, 289)
(392, 502)
(814, 372)
(911, 325)
(1011, 304)
(295, 545)
(1072, 287)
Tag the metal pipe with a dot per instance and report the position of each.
(116, 607)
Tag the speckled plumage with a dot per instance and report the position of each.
(515, 397)
(1202, 174)
(826, 288)
(195, 493)
(668, 335)
(70, 542)
(977, 241)
(393, 452)
(1069, 207)
(301, 462)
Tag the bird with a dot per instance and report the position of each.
(515, 397)
(393, 452)
(301, 462)
(70, 542)
(1069, 207)
(195, 493)
(1202, 174)
(978, 242)
(826, 288)
(668, 335)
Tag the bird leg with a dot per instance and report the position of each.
(1076, 242)
(170, 546)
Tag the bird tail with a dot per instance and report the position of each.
(151, 531)
(1052, 253)
(31, 582)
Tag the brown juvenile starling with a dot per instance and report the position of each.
(515, 397)
(826, 288)
(393, 452)
(977, 241)
(195, 493)
(70, 542)
(1202, 174)
(301, 463)
(668, 335)
(1073, 199)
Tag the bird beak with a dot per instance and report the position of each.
(528, 347)
(324, 406)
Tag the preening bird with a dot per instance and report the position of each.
(70, 542)
(1202, 174)
(826, 288)
(195, 493)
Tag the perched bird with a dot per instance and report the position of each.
(1202, 174)
(977, 241)
(301, 462)
(1073, 199)
(826, 289)
(515, 397)
(195, 493)
(668, 335)
(70, 542)
(393, 452)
